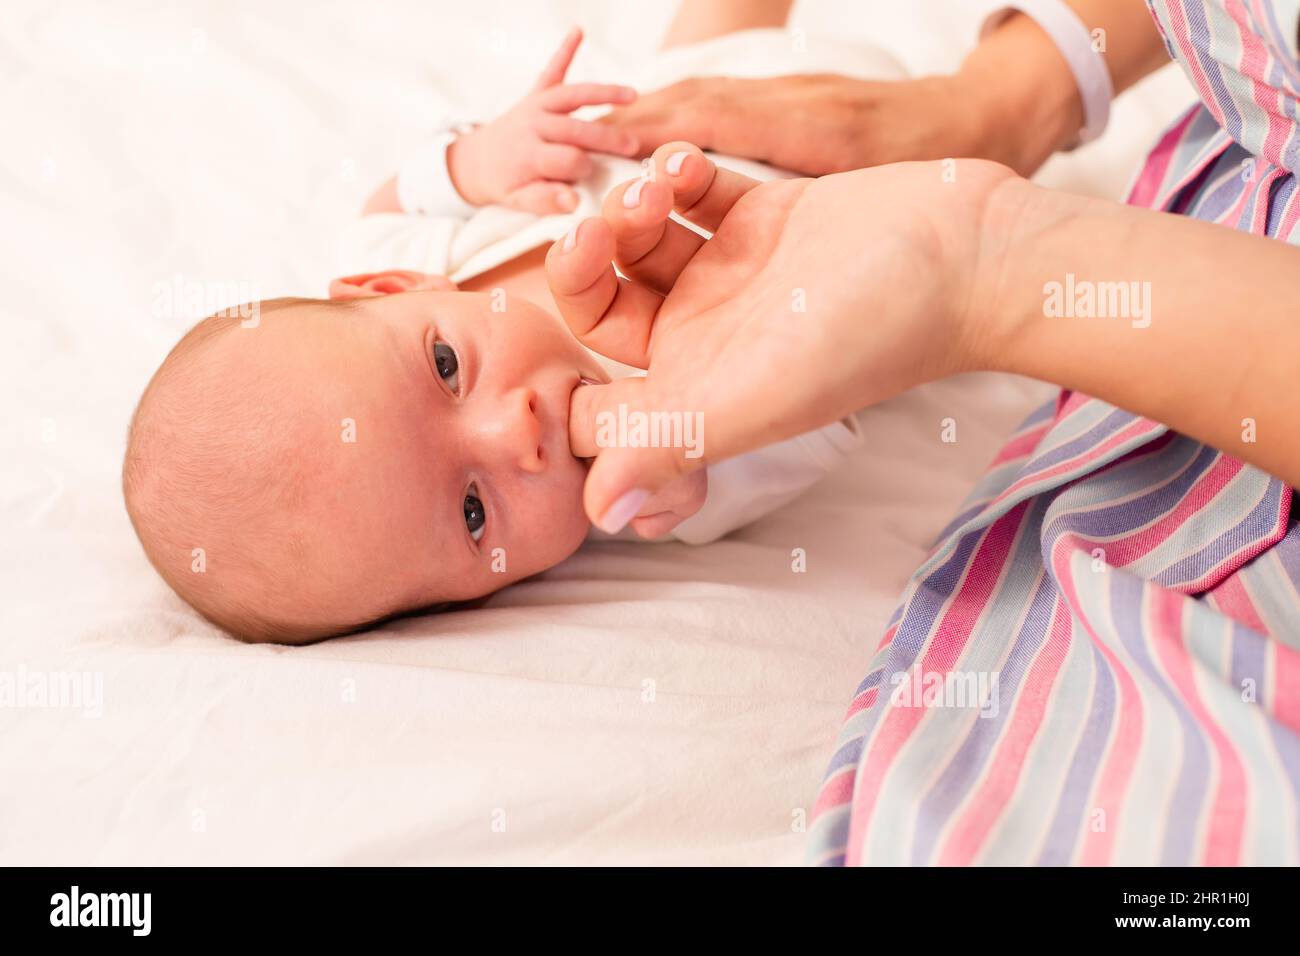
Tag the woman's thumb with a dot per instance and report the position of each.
(622, 480)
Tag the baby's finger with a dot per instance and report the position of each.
(555, 128)
(560, 60)
(560, 162)
(570, 96)
(607, 314)
(543, 198)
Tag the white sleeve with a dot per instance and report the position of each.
(747, 487)
(424, 185)
(395, 240)
(421, 236)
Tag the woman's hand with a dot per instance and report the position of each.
(814, 298)
(1014, 100)
(528, 157)
(813, 124)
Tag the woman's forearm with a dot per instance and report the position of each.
(1025, 96)
(1188, 323)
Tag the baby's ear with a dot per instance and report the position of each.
(387, 283)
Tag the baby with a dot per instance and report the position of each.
(407, 443)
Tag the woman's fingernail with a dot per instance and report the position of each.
(622, 511)
(632, 198)
(674, 164)
(571, 237)
(568, 200)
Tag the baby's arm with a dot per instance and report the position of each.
(527, 158)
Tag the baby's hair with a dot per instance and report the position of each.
(188, 475)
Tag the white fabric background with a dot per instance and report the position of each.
(223, 143)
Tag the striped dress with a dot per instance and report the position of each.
(1100, 661)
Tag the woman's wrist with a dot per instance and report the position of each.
(1023, 96)
(1019, 234)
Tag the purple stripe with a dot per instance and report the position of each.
(1192, 786)
(1283, 193)
(1071, 819)
(1198, 32)
(1249, 657)
(1256, 526)
(1287, 551)
(1169, 476)
(1115, 421)
(1213, 203)
(848, 753)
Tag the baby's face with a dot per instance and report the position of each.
(431, 438)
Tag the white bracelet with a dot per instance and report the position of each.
(424, 185)
(1071, 36)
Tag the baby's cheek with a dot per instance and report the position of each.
(561, 526)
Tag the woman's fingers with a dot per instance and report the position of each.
(615, 316)
(594, 137)
(570, 96)
(607, 314)
(650, 247)
(560, 60)
(703, 192)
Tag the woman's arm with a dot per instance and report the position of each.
(818, 297)
(1014, 100)
(1024, 94)
(1188, 323)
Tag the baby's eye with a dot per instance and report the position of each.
(448, 366)
(475, 516)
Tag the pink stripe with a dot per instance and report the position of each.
(1233, 600)
(836, 791)
(1228, 810)
(1022, 445)
(889, 636)
(1254, 64)
(1133, 430)
(862, 702)
(1147, 187)
(1122, 552)
(1286, 685)
(972, 595)
(987, 805)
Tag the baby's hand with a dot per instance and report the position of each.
(527, 158)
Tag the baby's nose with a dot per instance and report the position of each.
(514, 431)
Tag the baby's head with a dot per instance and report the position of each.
(340, 461)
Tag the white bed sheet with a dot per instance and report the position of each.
(639, 704)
